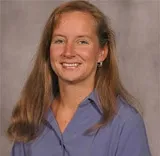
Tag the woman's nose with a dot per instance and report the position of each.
(69, 50)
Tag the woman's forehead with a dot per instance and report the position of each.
(76, 22)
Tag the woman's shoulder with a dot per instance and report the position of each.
(130, 131)
(18, 149)
(127, 113)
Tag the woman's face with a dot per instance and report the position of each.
(75, 49)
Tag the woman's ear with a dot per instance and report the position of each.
(103, 54)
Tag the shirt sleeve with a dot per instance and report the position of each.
(18, 149)
(133, 139)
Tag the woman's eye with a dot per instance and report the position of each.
(58, 41)
(83, 42)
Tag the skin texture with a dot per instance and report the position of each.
(74, 53)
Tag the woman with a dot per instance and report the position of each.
(73, 103)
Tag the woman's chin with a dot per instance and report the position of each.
(71, 80)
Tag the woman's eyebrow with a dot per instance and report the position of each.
(84, 36)
(59, 35)
(78, 36)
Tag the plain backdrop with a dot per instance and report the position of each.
(137, 27)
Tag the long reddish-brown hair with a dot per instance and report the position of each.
(42, 83)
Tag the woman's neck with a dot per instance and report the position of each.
(72, 95)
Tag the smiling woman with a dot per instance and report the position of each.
(73, 103)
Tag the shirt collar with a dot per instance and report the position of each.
(94, 99)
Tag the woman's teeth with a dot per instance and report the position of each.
(70, 64)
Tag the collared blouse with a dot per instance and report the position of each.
(125, 135)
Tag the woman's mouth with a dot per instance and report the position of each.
(70, 65)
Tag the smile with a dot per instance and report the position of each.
(70, 65)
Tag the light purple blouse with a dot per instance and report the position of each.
(125, 135)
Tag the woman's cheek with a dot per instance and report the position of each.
(54, 52)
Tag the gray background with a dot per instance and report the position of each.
(137, 26)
